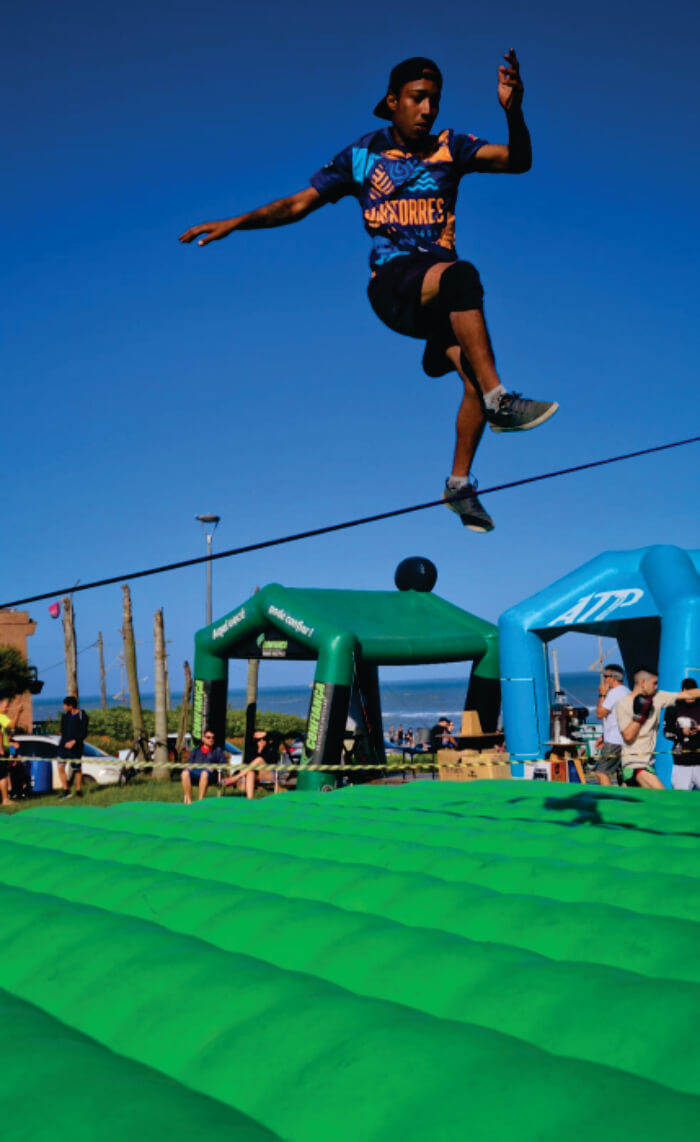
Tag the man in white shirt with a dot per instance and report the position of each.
(638, 718)
(611, 690)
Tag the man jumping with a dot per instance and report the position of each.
(406, 181)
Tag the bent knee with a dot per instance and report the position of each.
(461, 288)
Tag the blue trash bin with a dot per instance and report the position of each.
(41, 776)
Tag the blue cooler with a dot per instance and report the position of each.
(41, 775)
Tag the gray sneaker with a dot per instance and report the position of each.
(516, 413)
(465, 502)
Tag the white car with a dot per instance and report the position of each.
(95, 762)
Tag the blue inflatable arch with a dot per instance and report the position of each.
(648, 599)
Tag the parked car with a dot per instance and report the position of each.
(96, 763)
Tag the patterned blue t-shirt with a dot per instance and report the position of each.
(408, 200)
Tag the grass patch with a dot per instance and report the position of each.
(103, 796)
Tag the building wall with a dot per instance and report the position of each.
(15, 629)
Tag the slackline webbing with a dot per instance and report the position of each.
(313, 532)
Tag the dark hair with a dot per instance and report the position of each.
(618, 671)
(71, 701)
(689, 684)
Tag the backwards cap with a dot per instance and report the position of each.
(418, 67)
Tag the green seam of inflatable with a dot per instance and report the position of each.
(296, 963)
(560, 930)
(137, 980)
(57, 1083)
(489, 985)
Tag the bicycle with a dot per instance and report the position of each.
(142, 748)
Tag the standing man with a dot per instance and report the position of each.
(638, 718)
(682, 726)
(611, 690)
(200, 762)
(6, 724)
(406, 179)
(74, 730)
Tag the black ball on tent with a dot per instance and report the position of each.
(415, 574)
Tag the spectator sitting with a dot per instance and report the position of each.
(408, 740)
(682, 726)
(440, 736)
(266, 746)
(399, 736)
(449, 741)
(202, 756)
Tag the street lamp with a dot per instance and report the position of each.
(208, 523)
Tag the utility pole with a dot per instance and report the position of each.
(184, 712)
(70, 652)
(103, 680)
(132, 672)
(208, 521)
(160, 757)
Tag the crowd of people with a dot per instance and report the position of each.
(625, 750)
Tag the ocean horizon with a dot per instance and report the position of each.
(414, 704)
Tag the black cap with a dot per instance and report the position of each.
(417, 67)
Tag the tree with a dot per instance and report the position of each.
(16, 675)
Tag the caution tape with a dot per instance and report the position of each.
(240, 769)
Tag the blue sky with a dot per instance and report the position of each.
(147, 382)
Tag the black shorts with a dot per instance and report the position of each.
(394, 294)
(4, 768)
(74, 762)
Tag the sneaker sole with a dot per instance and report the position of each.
(530, 424)
(480, 529)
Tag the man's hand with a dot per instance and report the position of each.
(214, 232)
(510, 85)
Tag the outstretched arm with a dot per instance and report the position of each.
(279, 213)
(516, 156)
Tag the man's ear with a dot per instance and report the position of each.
(392, 101)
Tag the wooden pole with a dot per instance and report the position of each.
(184, 712)
(103, 680)
(70, 653)
(251, 708)
(131, 671)
(251, 705)
(168, 699)
(160, 756)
